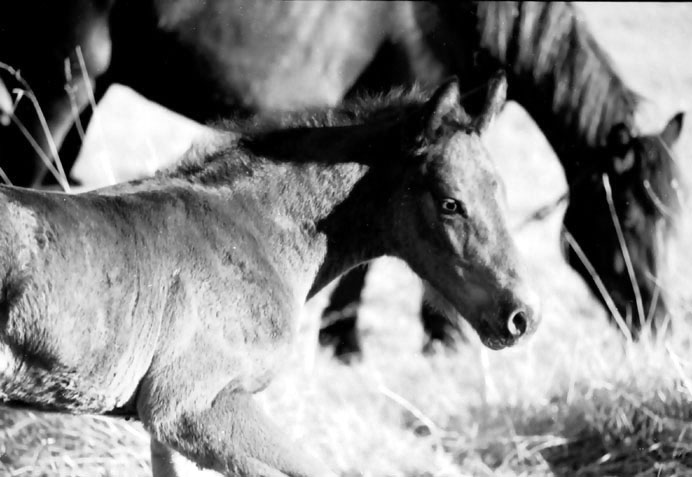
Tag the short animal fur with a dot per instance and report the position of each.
(174, 298)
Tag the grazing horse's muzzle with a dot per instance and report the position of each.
(518, 317)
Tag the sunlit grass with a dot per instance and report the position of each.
(577, 400)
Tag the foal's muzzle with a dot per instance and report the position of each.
(518, 323)
(519, 316)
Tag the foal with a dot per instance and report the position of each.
(173, 299)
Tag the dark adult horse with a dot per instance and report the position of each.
(100, 312)
(205, 59)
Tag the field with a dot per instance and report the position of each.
(575, 400)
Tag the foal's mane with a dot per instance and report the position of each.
(550, 43)
(275, 136)
(361, 109)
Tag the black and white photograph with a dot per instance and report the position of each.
(340, 238)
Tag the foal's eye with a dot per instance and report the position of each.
(451, 206)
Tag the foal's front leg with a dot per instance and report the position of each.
(165, 462)
(232, 436)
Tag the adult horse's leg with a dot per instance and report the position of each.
(58, 65)
(340, 317)
(230, 435)
(439, 328)
(439, 324)
(72, 144)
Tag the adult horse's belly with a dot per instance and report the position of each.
(276, 55)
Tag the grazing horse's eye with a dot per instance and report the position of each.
(452, 206)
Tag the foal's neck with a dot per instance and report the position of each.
(318, 213)
(332, 207)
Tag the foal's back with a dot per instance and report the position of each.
(94, 283)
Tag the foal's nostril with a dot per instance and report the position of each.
(517, 323)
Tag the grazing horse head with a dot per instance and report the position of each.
(628, 199)
(451, 224)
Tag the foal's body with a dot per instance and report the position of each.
(173, 299)
(133, 330)
(110, 247)
(225, 245)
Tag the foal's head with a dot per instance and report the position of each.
(449, 221)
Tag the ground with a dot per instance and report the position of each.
(574, 400)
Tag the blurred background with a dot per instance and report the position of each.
(575, 400)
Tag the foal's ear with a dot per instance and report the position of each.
(444, 108)
(494, 100)
(671, 132)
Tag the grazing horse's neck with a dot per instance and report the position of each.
(559, 74)
(575, 146)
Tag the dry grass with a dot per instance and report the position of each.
(576, 400)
